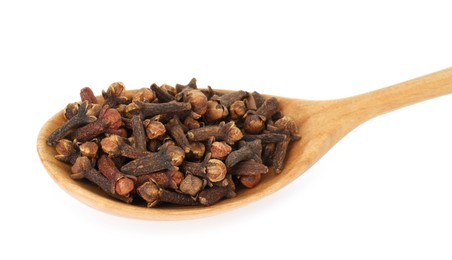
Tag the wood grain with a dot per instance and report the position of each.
(321, 124)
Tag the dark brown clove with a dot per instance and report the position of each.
(287, 125)
(82, 168)
(162, 179)
(222, 132)
(153, 109)
(215, 170)
(255, 120)
(153, 194)
(119, 183)
(229, 98)
(175, 128)
(115, 95)
(247, 151)
(138, 133)
(249, 167)
(167, 158)
(191, 123)
(162, 94)
(109, 119)
(115, 145)
(212, 195)
(81, 118)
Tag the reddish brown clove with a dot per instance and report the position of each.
(154, 129)
(220, 150)
(215, 170)
(119, 183)
(197, 151)
(87, 94)
(250, 181)
(162, 179)
(212, 195)
(109, 119)
(82, 168)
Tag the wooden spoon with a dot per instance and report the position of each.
(321, 125)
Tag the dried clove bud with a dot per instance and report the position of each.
(153, 109)
(249, 167)
(215, 170)
(229, 98)
(222, 132)
(115, 95)
(220, 150)
(86, 94)
(119, 183)
(237, 109)
(167, 158)
(162, 93)
(153, 194)
(82, 168)
(191, 185)
(175, 129)
(215, 111)
(250, 181)
(144, 95)
(162, 179)
(191, 123)
(197, 150)
(138, 133)
(247, 151)
(89, 149)
(154, 129)
(265, 138)
(115, 145)
(109, 119)
(255, 121)
(66, 151)
(212, 195)
(81, 118)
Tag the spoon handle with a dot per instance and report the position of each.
(372, 104)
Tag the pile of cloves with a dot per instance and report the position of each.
(179, 145)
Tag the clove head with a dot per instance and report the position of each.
(216, 170)
(154, 129)
(176, 154)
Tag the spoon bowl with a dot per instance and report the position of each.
(321, 125)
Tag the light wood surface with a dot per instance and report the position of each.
(321, 125)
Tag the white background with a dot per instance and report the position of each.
(384, 192)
